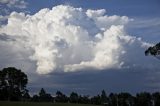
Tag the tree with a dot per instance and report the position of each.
(35, 98)
(42, 92)
(154, 51)
(60, 97)
(74, 97)
(104, 99)
(26, 96)
(12, 83)
(96, 100)
(125, 99)
(84, 99)
(44, 97)
(143, 99)
(113, 99)
(156, 99)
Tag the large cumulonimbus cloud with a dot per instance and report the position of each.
(70, 39)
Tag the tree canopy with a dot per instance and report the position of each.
(12, 83)
(154, 51)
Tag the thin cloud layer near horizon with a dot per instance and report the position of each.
(65, 42)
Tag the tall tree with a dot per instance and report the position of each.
(60, 97)
(44, 97)
(104, 99)
(42, 92)
(113, 99)
(26, 96)
(96, 100)
(12, 83)
(156, 99)
(125, 99)
(35, 98)
(74, 97)
(143, 99)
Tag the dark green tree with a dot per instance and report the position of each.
(156, 99)
(44, 97)
(74, 97)
(42, 92)
(12, 83)
(26, 96)
(84, 99)
(143, 99)
(113, 99)
(104, 98)
(96, 100)
(35, 98)
(125, 99)
(60, 97)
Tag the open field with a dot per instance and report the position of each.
(40, 104)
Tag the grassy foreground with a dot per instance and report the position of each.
(40, 104)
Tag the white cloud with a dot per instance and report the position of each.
(14, 3)
(70, 39)
(104, 21)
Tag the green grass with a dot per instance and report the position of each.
(39, 104)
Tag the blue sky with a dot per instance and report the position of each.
(141, 25)
(142, 8)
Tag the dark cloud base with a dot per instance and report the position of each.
(131, 80)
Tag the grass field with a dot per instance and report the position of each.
(40, 104)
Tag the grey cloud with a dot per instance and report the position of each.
(4, 37)
(126, 80)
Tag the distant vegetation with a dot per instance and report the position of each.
(13, 88)
(6, 103)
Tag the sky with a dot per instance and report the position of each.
(82, 45)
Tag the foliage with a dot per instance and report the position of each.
(156, 98)
(40, 104)
(143, 99)
(74, 97)
(104, 98)
(44, 97)
(60, 97)
(26, 96)
(12, 84)
(154, 51)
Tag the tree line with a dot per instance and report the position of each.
(13, 88)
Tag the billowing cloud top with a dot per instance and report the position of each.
(72, 39)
